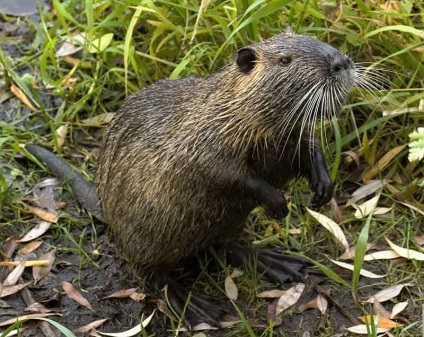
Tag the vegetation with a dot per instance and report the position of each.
(52, 97)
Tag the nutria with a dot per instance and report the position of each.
(184, 162)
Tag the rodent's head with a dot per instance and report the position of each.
(301, 75)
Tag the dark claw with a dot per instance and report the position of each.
(323, 192)
(277, 209)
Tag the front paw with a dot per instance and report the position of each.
(323, 192)
(277, 208)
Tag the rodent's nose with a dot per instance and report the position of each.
(340, 64)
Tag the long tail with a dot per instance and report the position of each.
(84, 191)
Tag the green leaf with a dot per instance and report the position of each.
(400, 28)
(100, 44)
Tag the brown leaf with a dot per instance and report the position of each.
(42, 214)
(379, 309)
(39, 272)
(272, 314)
(37, 307)
(26, 317)
(74, 294)
(90, 326)
(36, 232)
(9, 247)
(231, 288)
(61, 132)
(337, 213)
(15, 274)
(22, 97)
(384, 322)
(122, 293)
(137, 297)
(30, 247)
(10, 290)
(312, 304)
(271, 293)
(420, 240)
(163, 307)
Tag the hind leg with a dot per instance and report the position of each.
(193, 307)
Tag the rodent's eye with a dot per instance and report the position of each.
(285, 60)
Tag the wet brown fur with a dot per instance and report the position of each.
(174, 159)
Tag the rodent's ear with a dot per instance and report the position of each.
(246, 58)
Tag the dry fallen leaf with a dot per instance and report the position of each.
(22, 97)
(131, 332)
(290, 297)
(137, 297)
(413, 207)
(124, 293)
(90, 326)
(26, 317)
(383, 322)
(332, 227)
(382, 255)
(15, 274)
(10, 290)
(406, 253)
(322, 304)
(363, 272)
(61, 132)
(231, 288)
(398, 308)
(271, 293)
(350, 254)
(8, 247)
(367, 189)
(49, 216)
(30, 247)
(312, 304)
(386, 294)
(236, 273)
(379, 309)
(41, 271)
(362, 329)
(37, 307)
(99, 120)
(36, 232)
(74, 294)
(382, 163)
(206, 326)
(365, 209)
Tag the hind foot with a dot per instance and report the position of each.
(194, 308)
(275, 266)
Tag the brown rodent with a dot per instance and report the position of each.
(185, 161)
